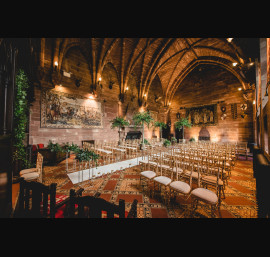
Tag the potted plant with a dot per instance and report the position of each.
(119, 122)
(181, 124)
(167, 143)
(67, 148)
(173, 140)
(160, 125)
(140, 119)
(52, 154)
(192, 139)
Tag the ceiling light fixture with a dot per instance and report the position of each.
(230, 39)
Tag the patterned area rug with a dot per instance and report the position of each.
(240, 201)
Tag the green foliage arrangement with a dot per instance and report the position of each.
(67, 147)
(119, 122)
(21, 109)
(140, 119)
(192, 139)
(167, 143)
(146, 142)
(173, 139)
(86, 155)
(54, 147)
(160, 124)
(182, 123)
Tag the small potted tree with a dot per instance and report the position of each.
(181, 124)
(119, 122)
(161, 125)
(140, 119)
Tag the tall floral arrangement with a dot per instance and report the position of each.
(184, 122)
(140, 119)
(119, 122)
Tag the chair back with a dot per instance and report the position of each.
(92, 207)
(32, 194)
(39, 166)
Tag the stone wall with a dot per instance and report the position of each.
(208, 85)
(75, 63)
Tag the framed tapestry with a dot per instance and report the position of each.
(203, 115)
(64, 110)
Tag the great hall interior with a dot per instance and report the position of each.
(134, 128)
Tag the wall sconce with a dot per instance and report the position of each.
(234, 64)
(55, 65)
(239, 89)
(99, 82)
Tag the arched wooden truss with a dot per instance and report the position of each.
(171, 59)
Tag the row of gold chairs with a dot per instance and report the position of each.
(175, 175)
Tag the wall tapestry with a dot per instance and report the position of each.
(64, 110)
(202, 115)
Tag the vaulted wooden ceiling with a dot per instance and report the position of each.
(171, 59)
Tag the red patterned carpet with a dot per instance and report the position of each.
(240, 201)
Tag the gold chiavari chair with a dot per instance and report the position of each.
(201, 194)
(164, 176)
(209, 177)
(179, 187)
(148, 175)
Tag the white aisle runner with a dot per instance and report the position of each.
(83, 175)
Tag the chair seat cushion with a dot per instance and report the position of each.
(178, 170)
(194, 174)
(22, 172)
(165, 166)
(205, 195)
(148, 174)
(30, 176)
(163, 180)
(180, 186)
(212, 180)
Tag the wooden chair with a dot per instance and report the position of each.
(34, 174)
(39, 201)
(93, 207)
